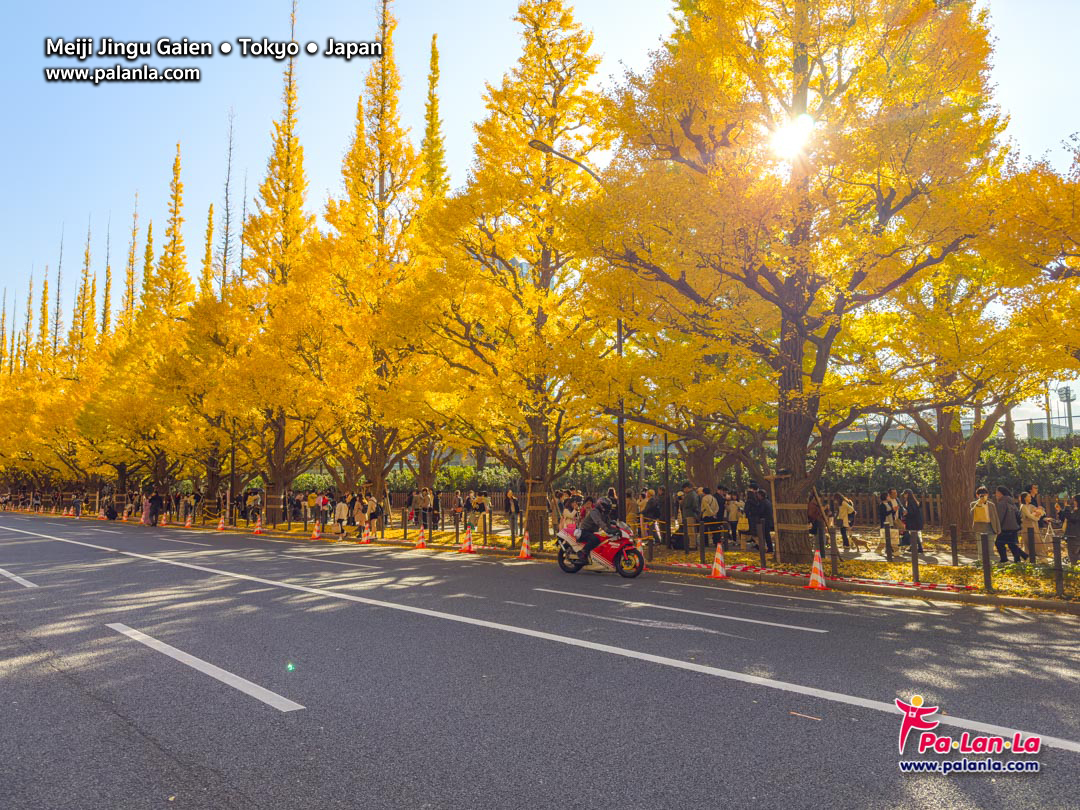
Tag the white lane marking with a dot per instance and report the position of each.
(654, 624)
(105, 531)
(519, 604)
(827, 602)
(703, 669)
(323, 559)
(185, 542)
(226, 677)
(628, 603)
(15, 578)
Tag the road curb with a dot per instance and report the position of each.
(967, 597)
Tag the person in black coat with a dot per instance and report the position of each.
(913, 520)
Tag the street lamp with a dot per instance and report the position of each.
(620, 489)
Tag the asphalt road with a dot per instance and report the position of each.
(144, 668)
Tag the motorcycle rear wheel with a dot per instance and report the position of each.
(629, 563)
(568, 563)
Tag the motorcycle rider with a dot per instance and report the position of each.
(598, 518)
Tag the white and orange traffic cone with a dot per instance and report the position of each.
(221, 523)
(467, 547)
(164, 519)
(719, 570)
(315, 532)
(420, 540)
(123, 516)
(526, 548)
(101, 514)
(187, 522)
(258, 524)
(817, 575)
(366, 539)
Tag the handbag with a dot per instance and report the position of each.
(744, 524)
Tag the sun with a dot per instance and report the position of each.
(790, 140)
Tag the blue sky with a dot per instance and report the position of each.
(76, 152)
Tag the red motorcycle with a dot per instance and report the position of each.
(615, 552)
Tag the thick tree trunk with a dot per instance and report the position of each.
(537, 483)
(795, 426)
(956, 466)
(425, 464)
(701, 466)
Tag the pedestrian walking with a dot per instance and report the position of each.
(1009, 521)
(913, 521)
(732, 512)
(710, 517)
(512, 509)
(1070, 516)
(844, 510)
(341, 516)
(984, 515)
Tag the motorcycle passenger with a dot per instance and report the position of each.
(597, 519)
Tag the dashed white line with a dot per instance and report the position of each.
(323, 559)
(629, 603)
(185, 542)
(674, 663)
(105, 531)
(235, 681)
(15, 578)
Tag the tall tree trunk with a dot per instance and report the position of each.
(701, 466)
(795, 426)
(538, 481)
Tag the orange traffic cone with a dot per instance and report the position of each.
(187, 523)
(817, 575)
(467, 547)
(315, 532)
(526, 548)
(164, 519)
(101, 514)
(221, 523)
(366, 539)
(719, 570)
(258, 524)
(123, 516)
(67, 512)
(420, 541)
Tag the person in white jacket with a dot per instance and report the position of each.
(341, 515)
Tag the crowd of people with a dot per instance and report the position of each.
(682, 520)
(690, 516)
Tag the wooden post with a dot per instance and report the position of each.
(915, 559)
(834, 553)
(888, 543)
(761, 542)
(1059, 575)
(953, 536)
(988, 580)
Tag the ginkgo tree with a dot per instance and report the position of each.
(782, 167)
